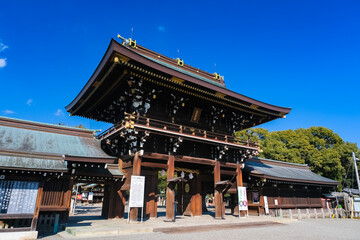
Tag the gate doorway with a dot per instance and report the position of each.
(87, 201)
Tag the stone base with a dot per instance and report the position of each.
(28, 235)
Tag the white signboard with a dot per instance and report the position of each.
(18, 197)
(356, 204)
(137, 191)
(243, 204)
(91, 196)
(266, 205)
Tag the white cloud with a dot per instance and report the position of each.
(3, 47)
(59, 112)
(29, 102)
(161, 28)
(2, 62)
(8, 111)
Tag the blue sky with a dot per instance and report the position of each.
(299, 54)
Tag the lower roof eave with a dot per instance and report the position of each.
(90, 159)
(35, 169)
(295, 180)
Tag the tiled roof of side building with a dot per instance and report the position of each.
(21, 122)
(285, 171)
(33, 137)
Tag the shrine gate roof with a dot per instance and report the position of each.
(184, 75)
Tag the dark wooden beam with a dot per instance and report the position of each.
(90, 160)
(154, 165)
(217, 194)
(157, 156)
(227, 172)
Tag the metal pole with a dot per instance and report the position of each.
(129, 214)
(356, 171)
(142, 214)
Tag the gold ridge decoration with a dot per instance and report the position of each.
(254, 106)
(221, 95)
(132, 43)
(186, 170)
(180, 62)
(217, 76)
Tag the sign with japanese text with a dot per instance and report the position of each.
(137, 191)
(243, 204)
(18, 197)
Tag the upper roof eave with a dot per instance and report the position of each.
(115, 47)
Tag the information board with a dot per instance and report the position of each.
(17, 197)
(356, 204)
(91, 196)
(137, 191)
(243, 204)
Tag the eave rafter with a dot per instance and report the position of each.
(216, 97)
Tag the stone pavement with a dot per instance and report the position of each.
(86, 224)
(101, 227)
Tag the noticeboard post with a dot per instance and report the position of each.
(242, 200)
(136, 198)
(18, 197)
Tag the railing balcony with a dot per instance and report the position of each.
(135, 121)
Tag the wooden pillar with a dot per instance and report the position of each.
(121, 201)
(67, 198)
(118, 201)
(239, 183)
(136, 172)
(112, 203)
(170, 193)
(151, 198)
(239, 180)
(262, 205)
(196, 201)
(37, 206)
(106, 201)
(217, 195)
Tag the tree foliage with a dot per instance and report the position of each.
(323, 150)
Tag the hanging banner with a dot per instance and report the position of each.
(137, 191)
(243, 204)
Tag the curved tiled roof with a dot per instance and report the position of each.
(29, 138)
(38, 146)
(285, 171)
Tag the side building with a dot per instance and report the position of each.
(276, 185)
(40, 163)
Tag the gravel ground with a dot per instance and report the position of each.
(302, 229)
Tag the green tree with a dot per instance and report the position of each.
(319, 147)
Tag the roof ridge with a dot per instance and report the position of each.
(34, 125)
(160, 57)
(281, 162)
